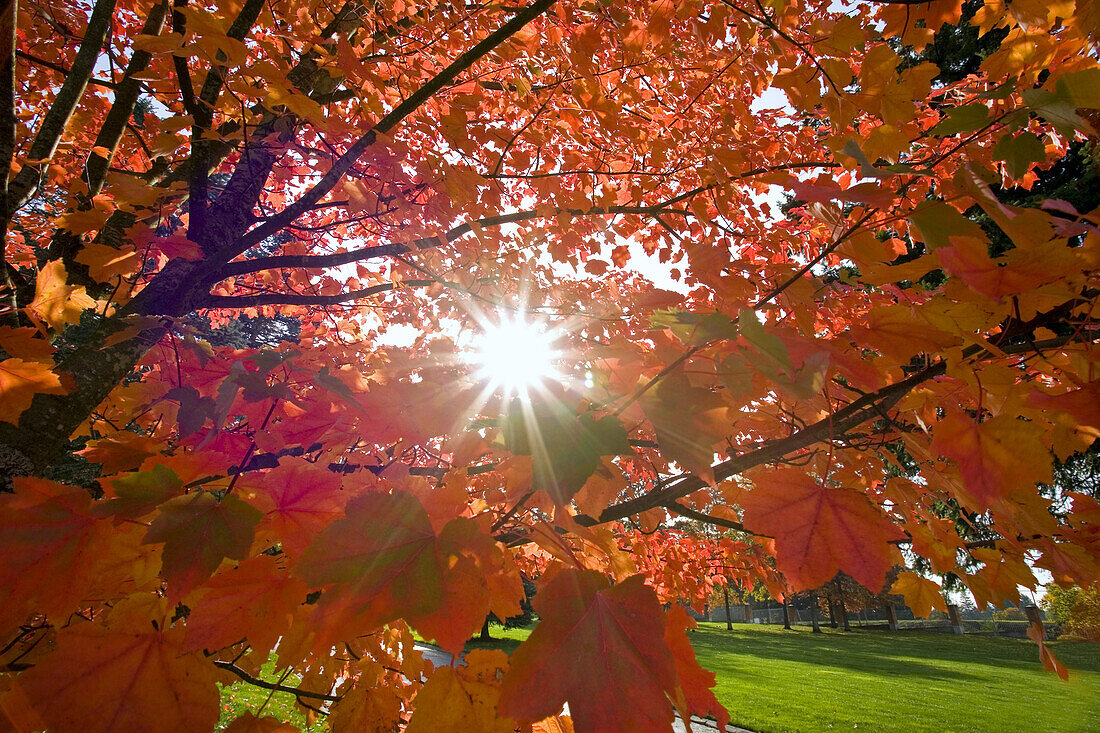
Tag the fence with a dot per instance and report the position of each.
(878, 619)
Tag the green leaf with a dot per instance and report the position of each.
(1082, 88)
(1020, 152)
(138, 494)
(695, 329)
(198, 532)
(566, 447)
(764, 342)
(1003, 91)
(937, 222)
(968, 118)
(1057, 110)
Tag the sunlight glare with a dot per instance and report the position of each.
(515, 356)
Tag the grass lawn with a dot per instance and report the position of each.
(241, 698)
(773, 680)
(776, 680)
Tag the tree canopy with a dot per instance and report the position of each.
(251, 248)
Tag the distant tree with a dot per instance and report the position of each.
(1077, 609)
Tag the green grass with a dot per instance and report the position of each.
(773, 680)
(504, 639)
(240, 698)
(776, 680)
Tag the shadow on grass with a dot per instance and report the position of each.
(919, 654)
(504, 645)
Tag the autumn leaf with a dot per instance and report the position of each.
(921, 594)
(26, 343)
(122, 452)
(995, 457)
(895, 332)
(198, 532)
(1050, 662)
(463, 698)
(298, 500)
(597, 647)
(55, 303)
(133, 676)
(136, 494)
(693, 694)
(384, 561)
(686, 436)
(51, 545)
(255, 601)
(819, 530)
(380, 560)
(20, 381)
(566, 447)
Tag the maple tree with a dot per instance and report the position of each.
(876, 371)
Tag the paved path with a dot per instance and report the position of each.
(440, 658)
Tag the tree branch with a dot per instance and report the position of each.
(126, 96)
(318, 262)
(690, 513)
(296, 691)
(344, 163)
(254, 301)
(867, 407)
(57, 117)
(37, 61)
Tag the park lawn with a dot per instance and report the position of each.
(771, 679)
(240, 698)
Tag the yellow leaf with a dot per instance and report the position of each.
(921, 594)
(55, 303)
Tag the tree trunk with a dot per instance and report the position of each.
(813, 613)
(726, 598)
(485, 631)
(843, 613)
(786, 614)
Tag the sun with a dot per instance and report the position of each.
(515, 355)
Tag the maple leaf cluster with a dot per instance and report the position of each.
(884, 367)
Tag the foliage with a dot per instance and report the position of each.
(1011, 613)
(1076, 609)
(250, 247)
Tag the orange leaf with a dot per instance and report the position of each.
(123, 452)
(995, 457)
(693, 694)
(463, 698)
(597, 648)
(1050, 662)
(384, 561)
(26, 344)
(819, 530)
(20, 381)
(133, 677)
(921, 594)
(256, 600)
(298, 501)
(687, 436)
(51, 544)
